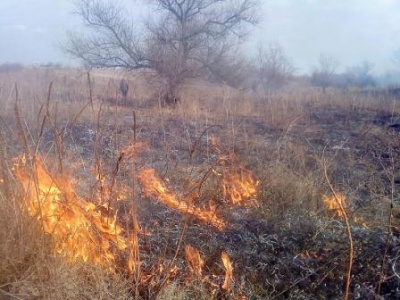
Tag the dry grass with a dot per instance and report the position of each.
(286, 140)
(174, 291)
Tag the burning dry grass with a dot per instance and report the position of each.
(337, 204)
(61, 245)
(79, 230)
(154, 187)
(29, 270)
(196, 263)
(240, 187)
(228, 281)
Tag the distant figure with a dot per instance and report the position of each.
(124, 88)
(170, 99)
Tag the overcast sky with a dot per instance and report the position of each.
(349, 30)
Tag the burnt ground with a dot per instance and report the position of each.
(289, 246)
(303, 254)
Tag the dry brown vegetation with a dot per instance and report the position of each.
(277, 188)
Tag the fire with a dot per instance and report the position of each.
(213, 143)
(239, 187)
(228, 282)
(336, 203)
(154, 187)
(194, 259)
(78, 229)
(238, 184)
(88, 231)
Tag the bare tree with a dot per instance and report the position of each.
(323, 75)
(360, 75)
(183, 39)
(274, 68)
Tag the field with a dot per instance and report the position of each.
(228, 195)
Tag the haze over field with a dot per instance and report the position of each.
(350, 31)
(172, 160)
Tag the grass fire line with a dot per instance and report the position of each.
(78, 228)
(154, 187)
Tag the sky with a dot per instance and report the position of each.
(351, 31)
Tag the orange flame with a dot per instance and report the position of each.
(228, 282)
(154, 187)
(78, 228)
(336, 203)
(194, 259)
(239, 187)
